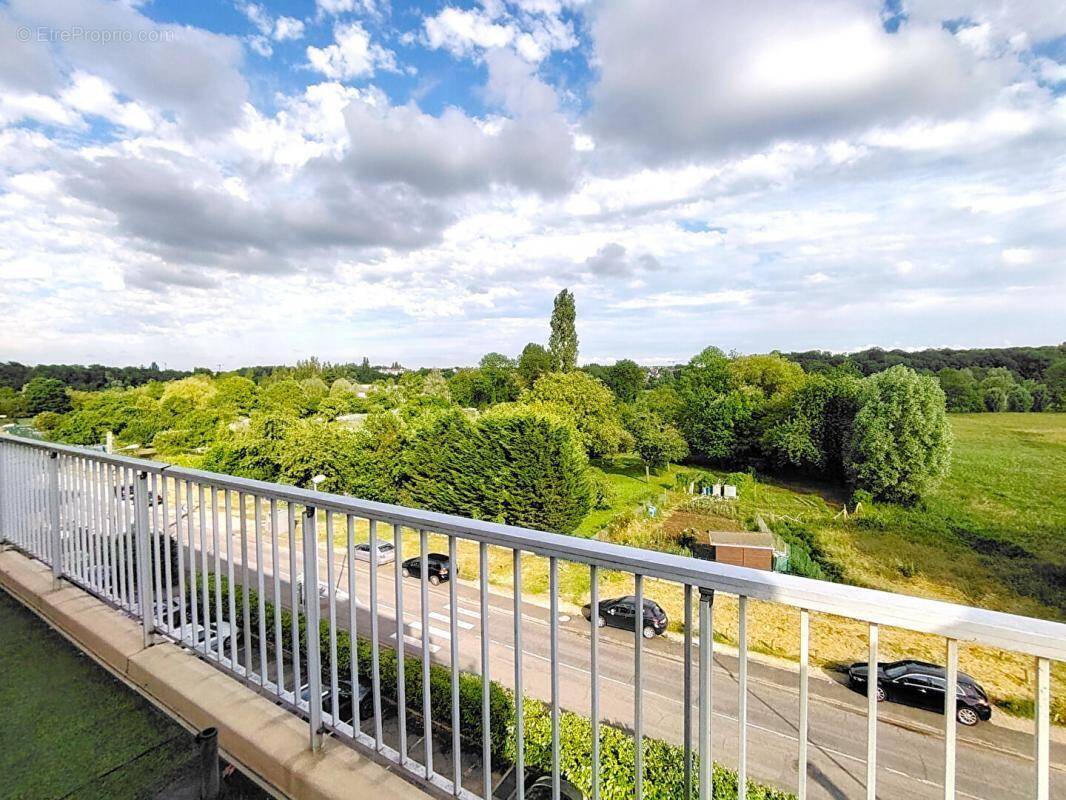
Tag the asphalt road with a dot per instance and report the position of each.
(992, 762)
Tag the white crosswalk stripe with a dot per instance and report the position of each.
(415, 644)
(466, 626)
(440, 633)
(466, 612)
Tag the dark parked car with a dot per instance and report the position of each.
(538, 786)
(439, 568)
(922, 684)
(344, 699)
(621, 613)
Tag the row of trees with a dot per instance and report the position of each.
(94, 377)
(1004, 379)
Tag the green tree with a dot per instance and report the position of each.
(443, 469)
(625, 378)
(1019, 398)
(45, 394)
(12, 403)
(563, 342)
(587, 404)
(961, 389)
(537, 468)
(814, 432)
(533, 362)
(286, 397)
(1041, 395)
(311, 447)
(713, 414)
(236, 395)
(469, 388)
(771, 374)
(1055, 380)
(656, 441)
(501, 377)
(901, 442)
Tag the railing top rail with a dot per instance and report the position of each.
(1013, 632)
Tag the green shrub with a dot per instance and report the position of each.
(663, 762)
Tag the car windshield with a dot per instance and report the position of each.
(895, 670)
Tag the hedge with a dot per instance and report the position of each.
(664, 771)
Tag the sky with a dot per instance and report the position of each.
(229, 183)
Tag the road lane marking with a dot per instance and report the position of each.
(466, 626)
(438, 632)
(415, 644)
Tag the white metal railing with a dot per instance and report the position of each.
(144, 536)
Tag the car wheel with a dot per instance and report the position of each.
(406, 572)
(882, 695)
(649, 632)
(967, 716)
(435, 580)
(601, 621)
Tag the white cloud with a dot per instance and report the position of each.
(288, 28)
(461, 31)
(1017, 256)
(352, 55)
(739, 77)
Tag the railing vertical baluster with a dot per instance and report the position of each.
(107, 541)
(1042, 730)
(871, 717)
(686, 709)
(144, 555)
(231, 600)
(706, 708)
(246, 600)
(519, 692)
(123, 502)
(805, 637)
(129, 525)
(156, 531)
(204, 570)
(594, 674)
(119, 500)
(67, 498)
(182, 622)
(275, 580)
(950, 711)
(742, 705)
(375, 647)
(261, 589)
(56, 542)
(553, 611)
(194, 590)
(427, 707)
(353, 630)
(311, 612)
(331, 601)
(219, 655)
(453, 599)
(486, 700)
(638, 688)
(294, 605)
(401, 644)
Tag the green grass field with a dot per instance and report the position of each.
(70, 729)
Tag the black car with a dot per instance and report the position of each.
(621, 613)
(344, 699)
(438, 565)
(538, 786)
(922, 684)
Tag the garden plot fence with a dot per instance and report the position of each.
(220, 564)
